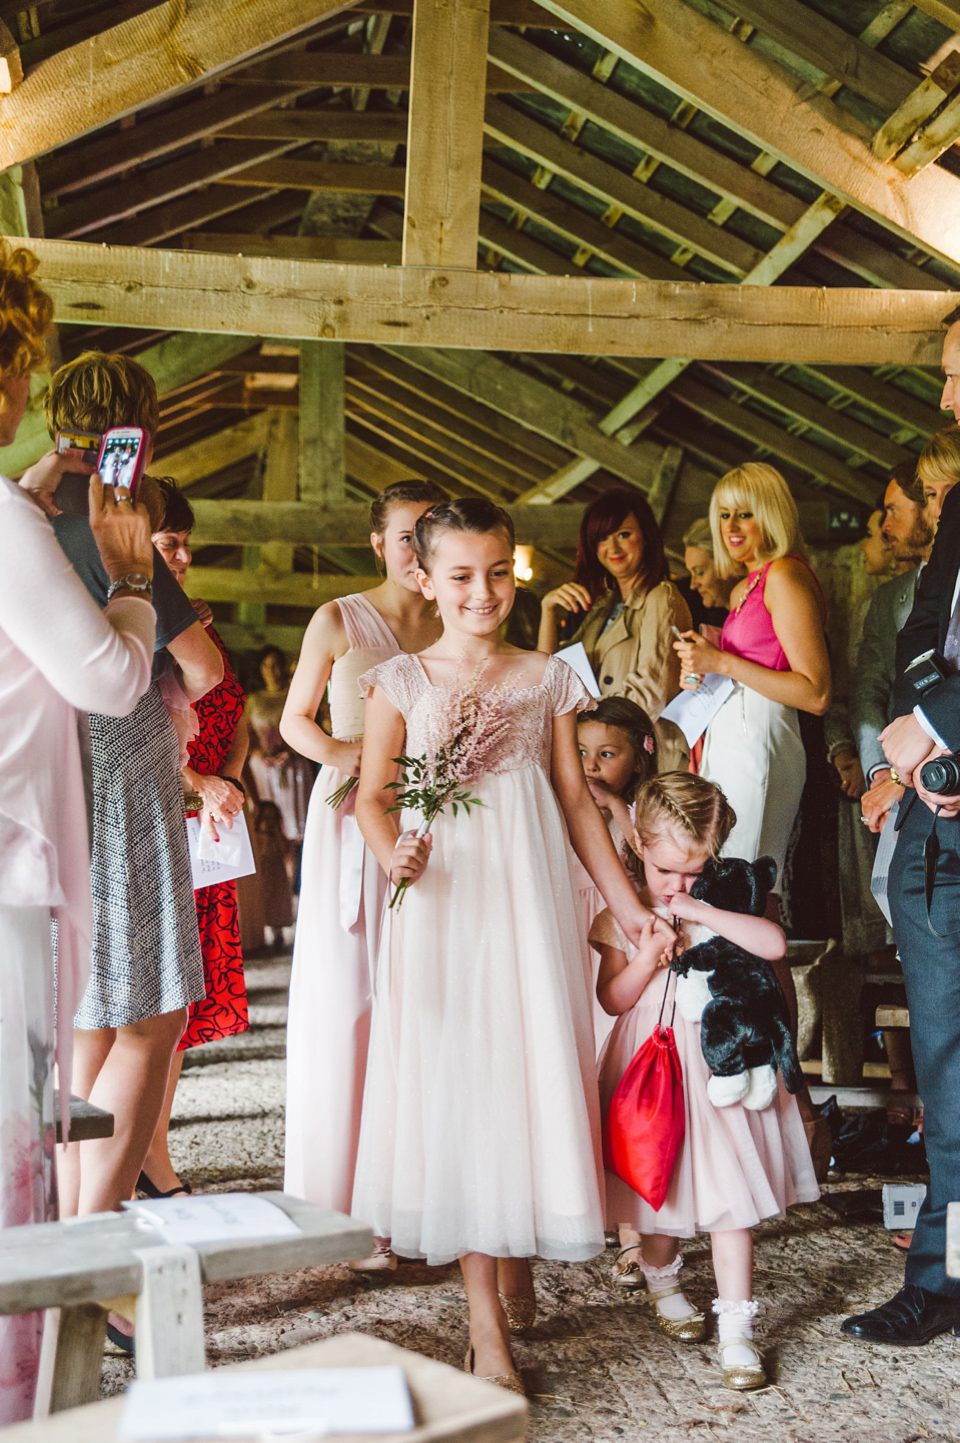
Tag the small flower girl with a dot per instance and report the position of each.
(480, 1131)
(736, 1166)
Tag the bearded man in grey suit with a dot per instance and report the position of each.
(908, 530)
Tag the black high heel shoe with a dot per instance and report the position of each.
(145, 1185)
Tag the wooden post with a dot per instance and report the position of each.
(71, 1358)
(322, 434)
(445, 132)
(280, 482)
(169, 1314)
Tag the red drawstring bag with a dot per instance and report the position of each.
(644, 1127)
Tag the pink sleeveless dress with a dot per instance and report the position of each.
(752, 748)
(338, 923)
(481, 1122)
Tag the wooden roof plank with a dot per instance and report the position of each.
(792, 449)
(555, 213)
(714, 71)
(151, 137)
(296, 247)
(159, 185)
(599, 178)
(650, 133)
(800, 406)
(445, 132)
(827, 47)
(347, 179)
(167, 50)
(161, 222)
(318, 124)
(421, 306)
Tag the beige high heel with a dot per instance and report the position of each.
(382, 1259)
(510, 1382)
(520, 1309)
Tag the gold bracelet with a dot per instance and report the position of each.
(895, 776)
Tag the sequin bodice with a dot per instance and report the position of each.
(529, 710)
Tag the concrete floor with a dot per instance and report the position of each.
(596, 1367)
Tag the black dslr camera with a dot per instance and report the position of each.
(942, 776)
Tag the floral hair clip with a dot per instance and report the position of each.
(648, 744)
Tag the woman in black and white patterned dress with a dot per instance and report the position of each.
(145, 958)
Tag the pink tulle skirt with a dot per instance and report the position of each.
(736, 1167)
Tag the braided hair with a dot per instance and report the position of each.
(690, 807)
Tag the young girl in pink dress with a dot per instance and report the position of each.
(618, 749)
(736, 1166)
(480, 1131)
(331, 988)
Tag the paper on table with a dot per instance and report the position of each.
(234, 860)
(576, 656)
(693, 711)
(215, 1217)
(226, 1404)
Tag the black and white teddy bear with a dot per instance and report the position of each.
(745, 1031)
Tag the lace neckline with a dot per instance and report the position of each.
(508, 691)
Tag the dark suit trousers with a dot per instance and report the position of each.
(931, 969)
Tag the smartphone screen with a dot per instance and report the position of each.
(121, 458)
(71, 496)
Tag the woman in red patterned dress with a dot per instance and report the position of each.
(217, 754)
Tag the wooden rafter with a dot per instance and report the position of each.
(825, 46)
(712, 70)
(234, 523)
(107, 156)
(298, 300)
(597, 177)
(140, 61)
(445, 132)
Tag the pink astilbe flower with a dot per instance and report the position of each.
(468, 726)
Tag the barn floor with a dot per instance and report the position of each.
(596, 1368)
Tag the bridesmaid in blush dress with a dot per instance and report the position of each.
(342, 888)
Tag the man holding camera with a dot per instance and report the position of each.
(924, 894)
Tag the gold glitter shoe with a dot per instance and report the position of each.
(627, 1274)
(521, 1310)
(510, 1382)
(692, 1329)
(743, 1375)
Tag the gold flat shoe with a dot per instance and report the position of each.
(521, 1310)
(510, 1382)
(624, 1274)
(692, 1329)
(744, 1375)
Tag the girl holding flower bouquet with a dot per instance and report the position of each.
(480, 1132)
(342, 891)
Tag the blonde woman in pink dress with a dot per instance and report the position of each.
(736, 1165)
(342, 888)
(480, 1130)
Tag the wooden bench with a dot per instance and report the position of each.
(86, 1120)
(890, 1018)
(447, 1403)
(83, 1268)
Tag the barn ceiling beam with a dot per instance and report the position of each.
(143, 60)
(299, 300)
(712, 70)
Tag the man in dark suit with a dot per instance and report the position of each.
(926, 915)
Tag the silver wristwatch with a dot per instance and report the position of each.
(137, 581)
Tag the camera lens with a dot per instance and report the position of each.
(942, 777)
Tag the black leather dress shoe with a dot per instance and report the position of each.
(909, 1320)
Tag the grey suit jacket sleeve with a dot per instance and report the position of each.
(873, 677)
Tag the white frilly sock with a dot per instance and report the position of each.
(735, 1320)
(676, 1306)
